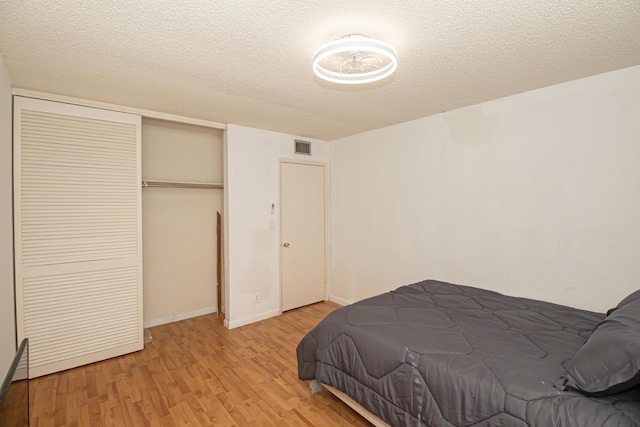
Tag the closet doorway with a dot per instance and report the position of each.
(181, 197)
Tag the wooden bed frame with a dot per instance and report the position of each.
(366, 414)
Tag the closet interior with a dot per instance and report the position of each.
(182, 193)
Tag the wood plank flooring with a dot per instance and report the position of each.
(197, 373)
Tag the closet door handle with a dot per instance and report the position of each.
(286, 245)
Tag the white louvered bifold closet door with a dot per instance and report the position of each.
(78, 233)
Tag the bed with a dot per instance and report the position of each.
(439, 354)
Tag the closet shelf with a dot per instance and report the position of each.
(179, 184)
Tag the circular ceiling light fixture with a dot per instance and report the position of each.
(355, 59)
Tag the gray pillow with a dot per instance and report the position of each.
(632, 297)
(609, 362)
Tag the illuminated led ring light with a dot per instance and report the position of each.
(357, 48)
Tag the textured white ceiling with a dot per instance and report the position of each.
(248, 62)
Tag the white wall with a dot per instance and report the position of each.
(179, 224)
(252, 184)
(7, 309)
(535, 195)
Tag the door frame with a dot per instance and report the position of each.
(327, 278)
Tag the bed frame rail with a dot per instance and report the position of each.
(317, 386)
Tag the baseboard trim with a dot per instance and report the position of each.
(251, 319)
(338, 300)
(180, 316)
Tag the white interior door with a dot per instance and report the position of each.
(303, 279)
(78, 249)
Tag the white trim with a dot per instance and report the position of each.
(181, 316)
(251, 319)
(27, 93)
(302, 161)
(339, 300)
(226, 289)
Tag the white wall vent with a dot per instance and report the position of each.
(303, 147)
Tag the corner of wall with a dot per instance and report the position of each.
(7, 296)
(225, 225)
(252, 233)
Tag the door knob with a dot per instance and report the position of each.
(286, 245)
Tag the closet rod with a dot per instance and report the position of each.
(180, 184)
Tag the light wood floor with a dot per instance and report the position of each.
(197, 373)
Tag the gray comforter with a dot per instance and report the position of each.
(439, 354)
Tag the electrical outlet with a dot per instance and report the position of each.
(257, 296)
